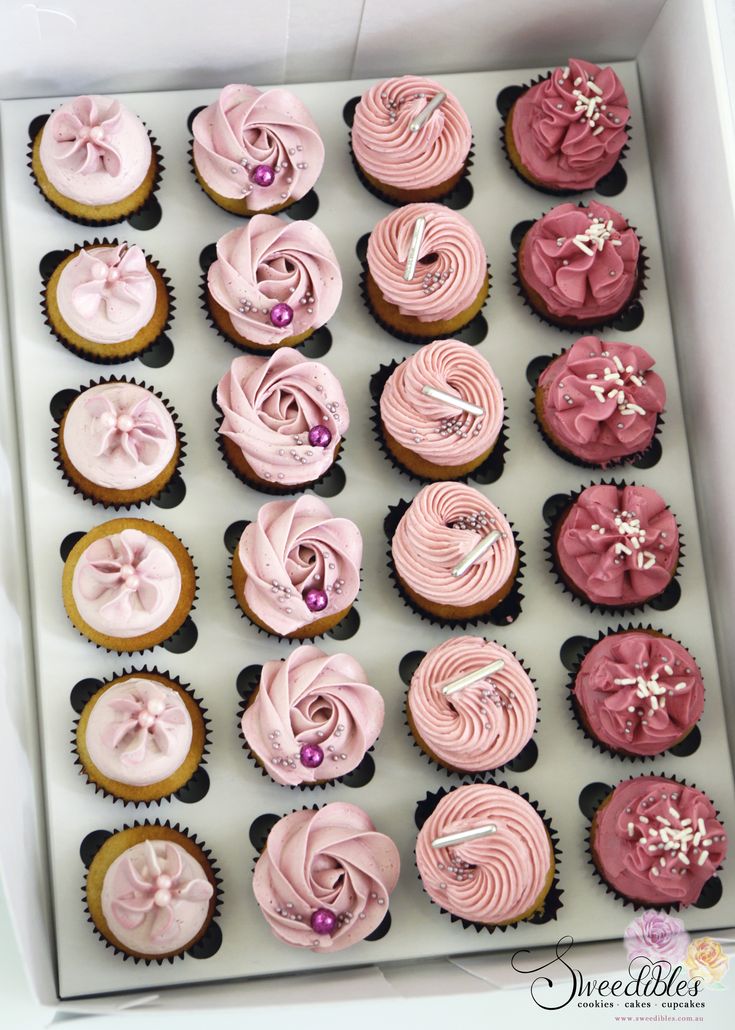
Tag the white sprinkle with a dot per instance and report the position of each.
(704, 855)
(631, 829)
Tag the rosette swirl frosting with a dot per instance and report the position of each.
(569, 129)
(639, 692)
(433, 428)
(95, 151)
(270, 404)
(601, 400)
(291, 548)
(618, 545)
(444, 522)
(581, 261)
(327, 861)
(658, 841)
(126, 584)
(119, 435)
(493, 879)
(268, 262)
(388, 150)
(245, 128)
(480, 726)
(450, 270)
(313, 717)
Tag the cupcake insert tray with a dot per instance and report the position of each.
(218, 645)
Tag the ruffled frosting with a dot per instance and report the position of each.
(269, 406)
(138, 732)
(493, 879)
(481, 726)
(119, 435)
(444, 522)
(312, 699)
(245, 128)
(569, 129)
(156, 897)
(601, 400)
(331, 859)
(618, 545)
(95, 151)
(434, 429)
(387, 149)
(639, 692)
(581, 261)
(268, 262)
(126, 584)
(451, 266)
(291, 548)
(657, 841)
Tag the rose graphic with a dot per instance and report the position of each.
(706, 960)
(656, 936)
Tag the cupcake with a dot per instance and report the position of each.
(485, 856)
(128, 585)
(599, 403)
(93, 161)
(273, 284)
(638, 692)
(656, 842)
(283, 420)
(616, 547)
(426, 275)
(141, 737)
(579, 267)
(107, 303)
(312, 717)
(471, 705)
(151, 891)
(565, 133)
(453, 552)
(410, 139)
(441, 411)
(256, 152)
(118, 443)
(296, 569)
(324, 879)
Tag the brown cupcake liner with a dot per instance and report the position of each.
(505, 613)
(99, 360)
(213, 932)
(153, 670)
(55, 443)
(552, 903)
(444, 198)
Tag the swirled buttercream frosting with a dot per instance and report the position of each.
(325, 877)
(657, 842)
(494, 879)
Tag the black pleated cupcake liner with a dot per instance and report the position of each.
(55, 444)
(604, 609)
(512, 600)
(552, 902)
(80, 352)
(96, 223)
(496, 458)
(575, 710)
(629, 459)
(444, 198)
(235, 214)
(673, 906)
(218, 892)
(132, 671)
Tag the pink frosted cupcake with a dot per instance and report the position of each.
(312, 718)
(273, 284)
(325, 877)
(256, 151)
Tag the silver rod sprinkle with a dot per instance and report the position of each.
(413, 250)
(455, 402)
(473, 677)
(424, 115)
(477, 552)
(464, 835)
